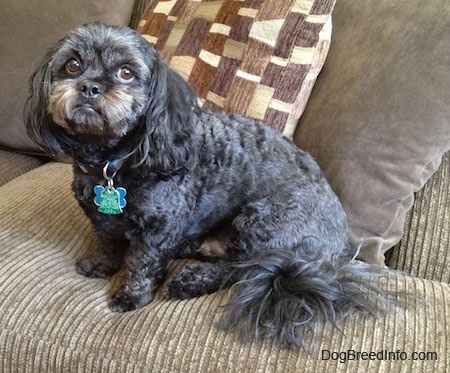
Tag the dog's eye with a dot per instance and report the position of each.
(125, 74)
(73, 66)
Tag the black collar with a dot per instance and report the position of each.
(109, 167)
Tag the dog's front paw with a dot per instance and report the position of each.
(92, 268)
(123, 301)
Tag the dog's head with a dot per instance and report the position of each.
(104, 82)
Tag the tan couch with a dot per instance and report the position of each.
(53, 320)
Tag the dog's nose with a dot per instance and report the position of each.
(90, 89)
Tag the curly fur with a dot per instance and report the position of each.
(189, 175)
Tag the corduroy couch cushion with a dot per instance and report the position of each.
(14, 164)
(255, 58)
(54, 320)
(423, 250)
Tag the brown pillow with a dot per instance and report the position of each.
(256, 58)
(378, 121)
(27, 28)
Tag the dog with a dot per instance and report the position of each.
(161, 179)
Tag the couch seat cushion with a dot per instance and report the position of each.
(53, 320)
(14, 164)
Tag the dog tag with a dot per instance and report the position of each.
(110, 200)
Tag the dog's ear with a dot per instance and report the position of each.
(40, 126)
(168, 146)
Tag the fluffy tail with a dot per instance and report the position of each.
(285, 294)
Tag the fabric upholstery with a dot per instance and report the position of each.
(255, 58)
(54, 320)
(378, 121)
(13, 165)
(423, 249)
(27, 29)
(138, 10)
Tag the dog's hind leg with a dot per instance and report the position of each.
(264, 225)
(197, 279)
(293, 270)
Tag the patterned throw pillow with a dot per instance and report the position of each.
(258, 58)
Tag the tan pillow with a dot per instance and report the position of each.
(378, 121)
(255, 58)
(27, 29)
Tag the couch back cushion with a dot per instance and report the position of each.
(378, 121)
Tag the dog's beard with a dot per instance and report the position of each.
(108, 114)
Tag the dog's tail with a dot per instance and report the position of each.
(286, 294)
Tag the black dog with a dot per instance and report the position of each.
(161, 179)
